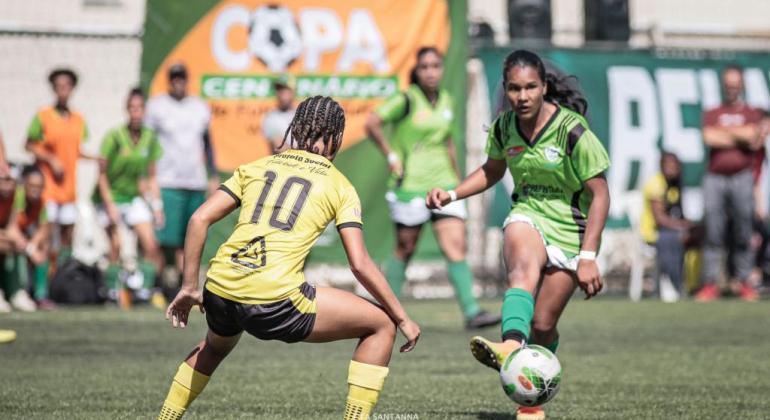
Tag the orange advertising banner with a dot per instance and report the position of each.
(359, 52)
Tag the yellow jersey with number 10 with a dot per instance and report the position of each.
(286, 201)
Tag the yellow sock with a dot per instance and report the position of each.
(364, 385)
(187, 384)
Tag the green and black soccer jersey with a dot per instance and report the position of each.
(127, 162)
(549, 173)
(419, 138)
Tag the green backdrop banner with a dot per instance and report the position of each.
(640, 102)
(357, 51)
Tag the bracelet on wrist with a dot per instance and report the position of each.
(587, 255)
(452, 195)
(393, 158)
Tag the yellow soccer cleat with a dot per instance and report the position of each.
(489, 353)
(6, 336)
(530, 413)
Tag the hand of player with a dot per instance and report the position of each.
(412, 333)
(180, 308)
(113, 213)
(589, 279)
(159, 218)
(396, 168)
(56, 168)
(437, 199)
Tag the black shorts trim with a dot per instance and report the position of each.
(272, 321)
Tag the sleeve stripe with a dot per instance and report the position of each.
(232, 194)
(573, 136)
(349, 225)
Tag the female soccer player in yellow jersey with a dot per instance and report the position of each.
(255, 283)
(560, 204)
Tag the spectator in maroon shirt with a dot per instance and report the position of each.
(732, 133)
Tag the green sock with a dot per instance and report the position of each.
(518, 309)
(41, 281)
(12, 274)
(112, 276)
(554, 345)
(462, 279)
(149, 272)
(64, 254)
(395, 273)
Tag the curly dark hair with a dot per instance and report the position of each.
(319, 117)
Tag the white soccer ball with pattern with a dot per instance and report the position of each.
(531, 375)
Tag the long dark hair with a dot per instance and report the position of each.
(317, 117)
(420, 53)
(558, 88)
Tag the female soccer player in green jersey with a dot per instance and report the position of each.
(255, 283)
(421, 155)
(560, 204)
(128, 191)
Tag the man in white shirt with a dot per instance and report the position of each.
(186, 169)
(276, 122)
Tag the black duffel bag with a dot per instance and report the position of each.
(77, 283)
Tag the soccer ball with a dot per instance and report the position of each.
(531, 375)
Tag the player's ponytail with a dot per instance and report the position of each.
(558, 88)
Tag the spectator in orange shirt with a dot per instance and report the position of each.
(54, 137)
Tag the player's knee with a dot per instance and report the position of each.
(405, 250)
(522, 273)
(386, 327)
(543, 326)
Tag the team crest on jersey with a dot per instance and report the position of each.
(514, 151)
(447, 114)
(552, 154)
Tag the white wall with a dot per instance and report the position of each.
(735, 24)
(36, 36)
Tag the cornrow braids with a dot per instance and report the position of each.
(319, 117)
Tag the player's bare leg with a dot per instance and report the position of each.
(552, 297)
(342, 315)
(395, 268)
(450, 234)
(194, 373)
(525, 256)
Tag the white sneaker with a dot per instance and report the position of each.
(668, 292)
(5, 307)
(23, 302)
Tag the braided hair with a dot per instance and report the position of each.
(558, 89)
(319, 117)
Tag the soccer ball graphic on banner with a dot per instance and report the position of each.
(531, 375)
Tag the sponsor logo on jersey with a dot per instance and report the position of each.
(552, 154)
(515, 150)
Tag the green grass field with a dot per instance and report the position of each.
(621, 361)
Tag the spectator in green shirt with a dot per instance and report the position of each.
(128, 191)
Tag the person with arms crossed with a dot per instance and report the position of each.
(255, 283)
(560, 205)
(732, 133)
(186, 170)
(422, 154)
